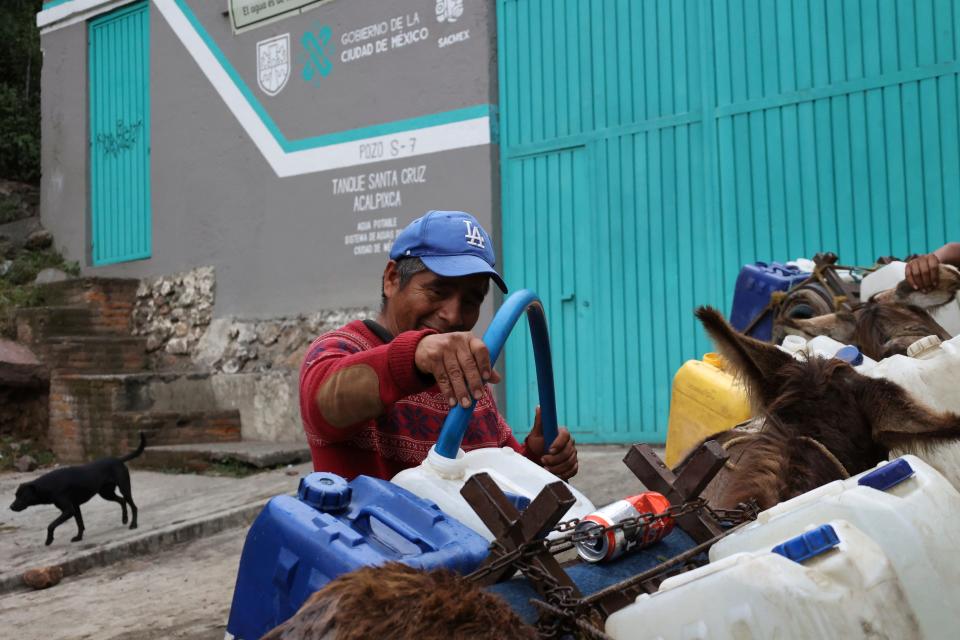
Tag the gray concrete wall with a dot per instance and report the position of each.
(278, 245)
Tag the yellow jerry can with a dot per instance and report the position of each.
(705, 400)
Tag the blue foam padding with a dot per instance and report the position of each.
(591, 578)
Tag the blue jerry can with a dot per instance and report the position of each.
(297, 545)
(755, 284)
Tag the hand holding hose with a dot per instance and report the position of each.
(561, 459)
(460, 363)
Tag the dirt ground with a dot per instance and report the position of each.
(183, 592)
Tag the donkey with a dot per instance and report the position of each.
(396, 601)
(818, 421)
(886, 324)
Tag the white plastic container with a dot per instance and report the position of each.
(440, 479)
(890, 275)
(929, 375)
(824, 347)
(915, 521)
(847, 591)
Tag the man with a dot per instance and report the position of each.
(373, 395)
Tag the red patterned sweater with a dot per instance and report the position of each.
(342, 364)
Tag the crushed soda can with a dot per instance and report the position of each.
(614, 543)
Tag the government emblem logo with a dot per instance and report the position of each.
(273, 64)
(449, 10)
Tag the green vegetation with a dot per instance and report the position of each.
(20, 91)
(12, 448)
(16, 286)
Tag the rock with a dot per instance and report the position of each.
(39, 239)
(246, 333)
(153, 343)
(143, 290)
(232, 365)
(187, 298)
(44, 577)
(268, 332)
(25, 463)
(205, 282)
(166, 288)
(49, 275)
(214, 342)
(15, 446)
(5, 266)
(181, 329)
(178, 346)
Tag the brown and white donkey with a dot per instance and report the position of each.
(816, 421)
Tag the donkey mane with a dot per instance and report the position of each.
(398, 602)
(820, 420)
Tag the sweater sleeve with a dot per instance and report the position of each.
(343, 387)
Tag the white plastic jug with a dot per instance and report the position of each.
(929, 374)
(841, 584)
(906, 507)
(890, 275)
(440, 479)
(447, 468)
(825, 347)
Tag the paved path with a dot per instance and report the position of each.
(173, 508)
(173, 577)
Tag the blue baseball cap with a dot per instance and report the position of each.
(450, 243)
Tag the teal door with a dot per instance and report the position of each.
(119, 64)
(551, 253)
(668, 142)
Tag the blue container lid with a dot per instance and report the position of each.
(324, 491)
(809, 545)
(889, 475)
(850, 354)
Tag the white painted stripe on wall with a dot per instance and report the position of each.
(445, 137)
(68, 13)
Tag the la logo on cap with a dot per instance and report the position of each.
(474, 237)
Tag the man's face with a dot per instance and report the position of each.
(429, 301)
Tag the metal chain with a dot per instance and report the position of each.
(561, 598)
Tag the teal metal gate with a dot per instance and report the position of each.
(120, 135)
(649, 148)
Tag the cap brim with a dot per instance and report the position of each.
(456, 266)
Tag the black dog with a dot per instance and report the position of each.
(70, 487)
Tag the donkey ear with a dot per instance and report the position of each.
(754, 361)
(898, 420)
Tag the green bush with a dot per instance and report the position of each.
(20, 90)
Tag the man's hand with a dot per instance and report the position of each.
(561, 460)
(923, 272)
(459, 362)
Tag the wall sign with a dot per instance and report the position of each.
(249, 14)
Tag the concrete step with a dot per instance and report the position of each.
(83, 438)
(144, 391)
(94, 354)
(110, 300)
(199, 457)
(37, 323)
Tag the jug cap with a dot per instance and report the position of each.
(325, 491)
(715, 360)
(923, 344)
(850, 354)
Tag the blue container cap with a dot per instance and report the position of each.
(519, 501)
(889, 475)
(324, 491)
(850, 354)
(808, 545)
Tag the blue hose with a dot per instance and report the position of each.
(451, 434)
